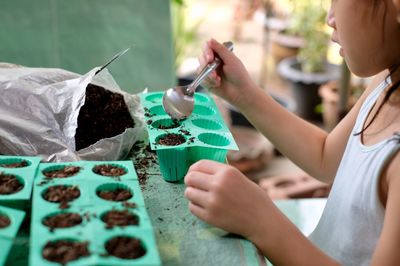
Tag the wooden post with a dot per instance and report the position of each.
(344, 90)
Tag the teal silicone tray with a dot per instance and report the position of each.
(24, 174)
(205, 132)
(92, 209)
(7, 234)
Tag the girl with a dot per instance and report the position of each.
(361, 221)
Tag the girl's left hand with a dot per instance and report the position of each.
(222, 196)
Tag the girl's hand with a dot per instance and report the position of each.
(230, 80)
(222, 196)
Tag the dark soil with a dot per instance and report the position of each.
(63, 251)
(129, 205)
(144, 158)
(175, 123)
(109, 170)
(125, 247)
(9, 184)
(15, 165)
(62, 220)
(119, 194)
(103, 115)
(62, 194)
(120, 218)
(171, 140)
(185, 132)
(4, 221)
(64, 172)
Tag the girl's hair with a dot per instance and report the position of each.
(393, 69)
(392, 89)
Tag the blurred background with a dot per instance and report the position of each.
(284, 44)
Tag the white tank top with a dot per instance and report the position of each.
(352, 220)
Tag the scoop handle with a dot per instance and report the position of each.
(207, 70)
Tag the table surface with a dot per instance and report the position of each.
(182, 239)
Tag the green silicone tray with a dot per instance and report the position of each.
(205, 132)
(25, 175)
(8, 233)
(91, 208)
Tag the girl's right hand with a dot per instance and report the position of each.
(222, 196)
(230, 80)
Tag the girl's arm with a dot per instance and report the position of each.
(387, 250)
(310, 147)
(220, 195)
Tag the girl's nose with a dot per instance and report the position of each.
(330, 18)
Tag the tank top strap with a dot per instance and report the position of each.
(369, 103)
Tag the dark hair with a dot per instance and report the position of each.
(392, 89)
(394, 86)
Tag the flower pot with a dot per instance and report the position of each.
(284, 45)
(329, 93)
(304, 86)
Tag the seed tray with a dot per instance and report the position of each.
(86, 170)
(5, 245)
(7, 234)
(91, 209)
(98, 254)
(206, 136)
(91, 218)
(24, 174)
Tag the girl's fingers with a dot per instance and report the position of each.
(220, 49)
(206, 166)
(202, 62)
(198, 211)
(199, 180)
(197, 196)
(208, 52)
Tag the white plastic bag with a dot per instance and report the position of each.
(39, 110)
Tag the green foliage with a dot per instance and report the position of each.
(184, 34)
(308, 21)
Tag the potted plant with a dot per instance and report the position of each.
(309, 69)
(285, 41)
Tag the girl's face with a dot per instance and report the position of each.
(368, 33)
(397, 4)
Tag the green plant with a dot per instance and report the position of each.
(184, 33)
(308, 21)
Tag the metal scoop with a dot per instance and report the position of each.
(178, 102)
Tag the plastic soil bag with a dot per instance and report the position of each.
(63, 116)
